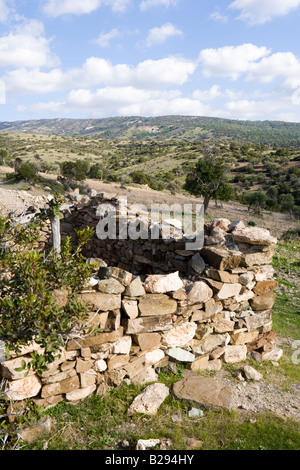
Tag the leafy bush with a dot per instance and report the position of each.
(29, 311)
(26, 172)
(139, 177)
(77, 170)
(28, 287)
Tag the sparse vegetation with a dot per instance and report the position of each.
(262, 176)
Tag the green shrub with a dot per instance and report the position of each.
(26, 172)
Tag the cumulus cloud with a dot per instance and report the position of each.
(207, 95)
(280, 64)
(96, 71)
(262, 11)
(256, 64)
(26, 46)
(128, 101)
(231, 61)
(248, 109)
(55, 8)
(159, 35)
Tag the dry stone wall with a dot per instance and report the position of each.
(216, 309)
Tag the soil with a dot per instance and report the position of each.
(262, 396)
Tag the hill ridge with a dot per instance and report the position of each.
(175, 127)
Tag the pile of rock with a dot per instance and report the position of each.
(161, 247)
(154, 322)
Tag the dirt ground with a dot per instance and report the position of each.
(275, 222)
(264, 396)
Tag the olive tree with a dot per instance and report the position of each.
(208, 179)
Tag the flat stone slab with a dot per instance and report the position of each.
(253, 236)
(180, 355)
(203, 391)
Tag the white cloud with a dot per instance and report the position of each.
(105, 38)
(207, 95)
(217, 16)
(281, 64)
(55, 8)
(160, 34)
(249, 109)
(34, 81)
(117, 6)
(146, 4)
(231, 61)
(111, 101)
(96, 71)
(262, 11)
(26, 47)
(170, 71)
(257, 64)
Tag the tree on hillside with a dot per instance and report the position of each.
(77, 170)
(256, 200)
(27, 172)
(287, 204)
(208, 179)
(3, 156)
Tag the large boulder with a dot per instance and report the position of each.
(253, 236)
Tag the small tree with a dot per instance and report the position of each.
(208, 179)
(256, 200)
(287, 204)
(74, 170)
(27, 172)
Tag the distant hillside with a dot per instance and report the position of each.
(184, 128)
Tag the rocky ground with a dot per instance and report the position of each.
(15, 202)
(262, 397)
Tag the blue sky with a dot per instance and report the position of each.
(236, 59)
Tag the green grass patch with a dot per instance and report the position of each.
(102, 423)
